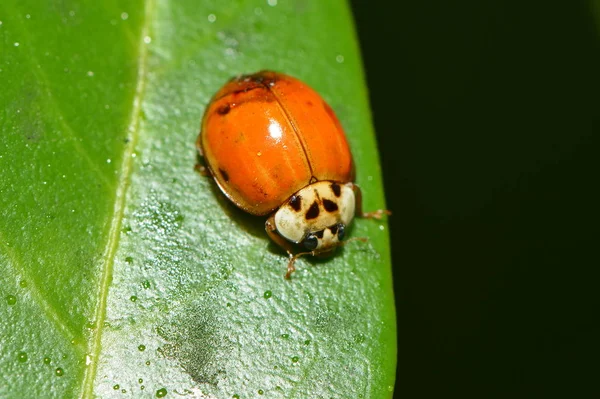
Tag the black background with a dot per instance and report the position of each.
(487, 116)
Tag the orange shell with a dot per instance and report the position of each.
(267, 135)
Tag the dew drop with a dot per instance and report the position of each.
(235, 396)
(142, 387)
(133, 298)
(142, 348)
(212, 18)
(307, 342)
(22, 357)
(124, 16)
(161, 393)
(148, 363)
(90, 73)
(11, 299)
(47, 360)
(22, 283)
(260, 391)
(272, 3)
(359, 339)
(285, 335)
(147, 40)
(117, 386)
(146, 284)
(295, 359)
(59, 372)
(390, 388)
(129, 259)
(123, 390)
(140, 380)
(268, 294)
(16, 44)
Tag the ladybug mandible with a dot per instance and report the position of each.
(275, 147)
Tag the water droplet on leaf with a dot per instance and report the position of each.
(11, 299)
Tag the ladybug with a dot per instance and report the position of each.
(275, 147)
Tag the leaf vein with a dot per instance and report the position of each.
(119, 208)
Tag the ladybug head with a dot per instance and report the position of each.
(316, 217)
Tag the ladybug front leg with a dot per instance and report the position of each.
(200, 168)
(203, 170)
(358, 206)
(283, 243)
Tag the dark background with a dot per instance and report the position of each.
(487, 115)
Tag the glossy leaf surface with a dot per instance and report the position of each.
(127, 274)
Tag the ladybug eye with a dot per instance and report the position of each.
(341, 231)
(310, 242)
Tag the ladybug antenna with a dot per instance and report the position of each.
(361, 239)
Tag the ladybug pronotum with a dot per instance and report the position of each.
(275, 147)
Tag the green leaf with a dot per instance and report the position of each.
(123, 270)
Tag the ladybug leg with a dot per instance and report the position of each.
(291, 268)
(359, 212)
(203, 170)
(199, 167)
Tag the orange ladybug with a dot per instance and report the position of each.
(275, 147)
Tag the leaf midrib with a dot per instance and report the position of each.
(119, 207)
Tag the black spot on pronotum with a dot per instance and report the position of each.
(224, 109)
(313, 211)
(224, 174)
(296, 202)
(319, 233)
(329, 205)
(337, 191)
